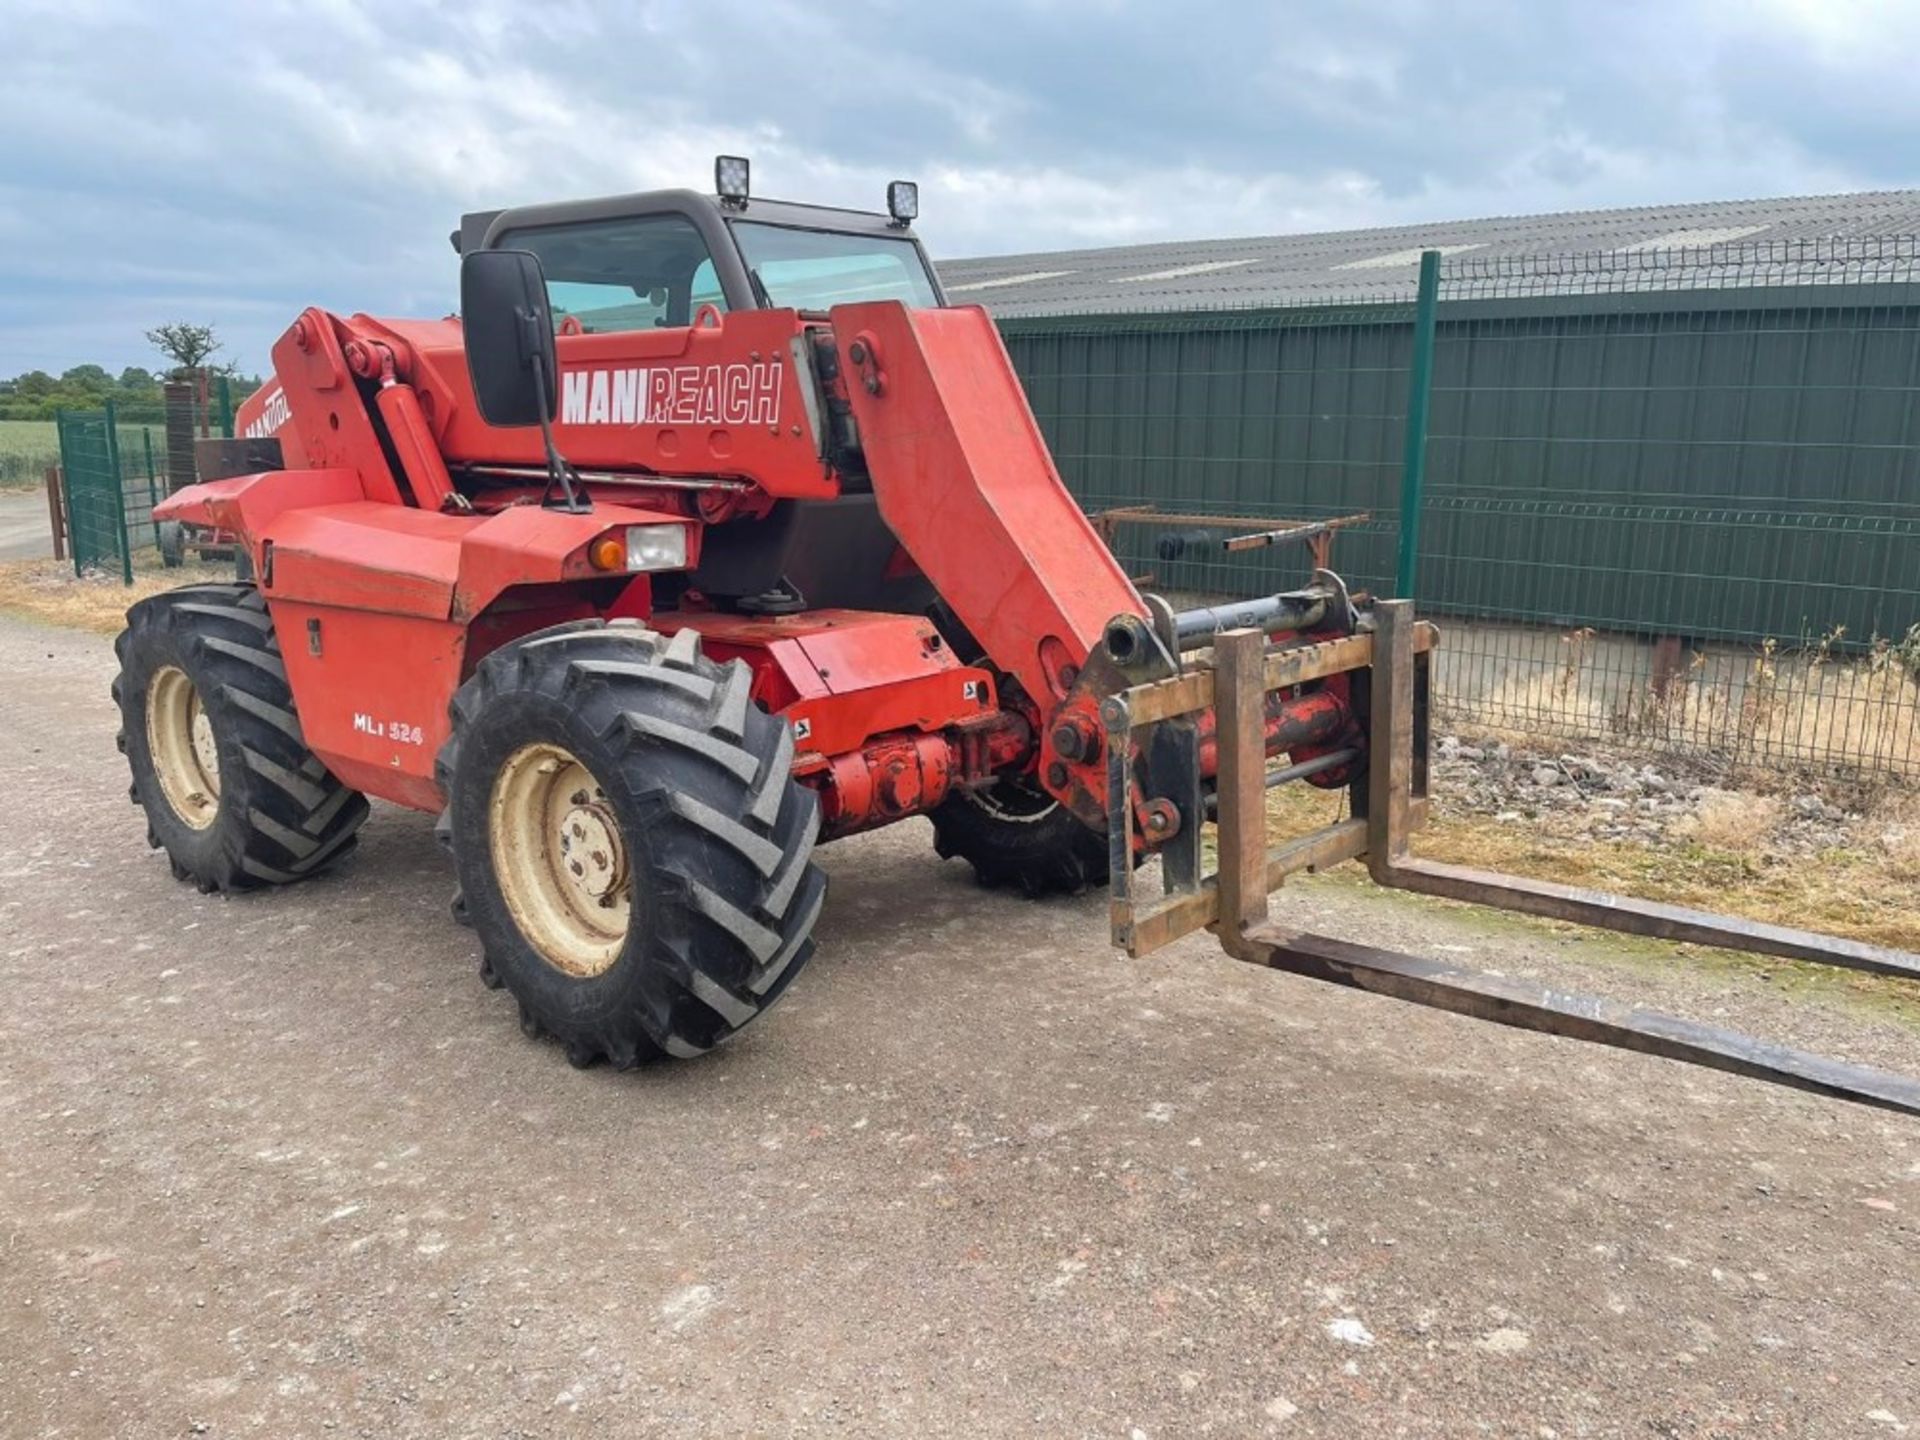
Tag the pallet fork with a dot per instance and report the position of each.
(1153, 748)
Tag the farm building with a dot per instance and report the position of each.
(1693, 422)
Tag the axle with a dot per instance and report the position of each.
(900, 774)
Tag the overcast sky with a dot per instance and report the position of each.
(234, 163)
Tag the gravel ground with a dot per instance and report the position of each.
(24, 532)
(281, 1166)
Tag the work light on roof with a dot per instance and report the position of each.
(730, 177)
(903, 201)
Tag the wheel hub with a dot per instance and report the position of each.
(561, 859)
(592, 855)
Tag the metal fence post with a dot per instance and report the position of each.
(66, 483)
(153, 487)
(57, 512)
(1413, 473)
(120, 494)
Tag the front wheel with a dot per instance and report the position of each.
(1016, 834)
(632, 849)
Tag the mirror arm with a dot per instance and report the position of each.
(560, 472)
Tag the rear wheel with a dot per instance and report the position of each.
(230, 788)
(631, 847)
(1016, 834)
(171, 537)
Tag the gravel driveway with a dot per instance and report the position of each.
(280, 1166)
(24, 527)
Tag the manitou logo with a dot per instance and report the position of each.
(673, 395)
(272, 417)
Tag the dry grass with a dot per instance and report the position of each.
(1864, 892)
(1900, 841)
(1757, 710)
(1731, 820)
(49, 590)
(1903, 857)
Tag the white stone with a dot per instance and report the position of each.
(1349, 1330)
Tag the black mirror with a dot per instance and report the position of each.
(509, 337)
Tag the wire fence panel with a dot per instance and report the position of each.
(143, 485)
(1671, 498)
(91, 483)
(110, 483)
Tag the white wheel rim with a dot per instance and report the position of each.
(181, 744)
(561, 860)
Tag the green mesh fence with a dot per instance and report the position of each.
(1671, 498)
(110, 484)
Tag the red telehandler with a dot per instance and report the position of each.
(708, 532)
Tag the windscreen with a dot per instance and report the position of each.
(817, 269)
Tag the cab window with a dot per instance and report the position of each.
(630, 274)
(818, 269)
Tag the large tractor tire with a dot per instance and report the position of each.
(1015, 834)
(632, 849)
(231, 791)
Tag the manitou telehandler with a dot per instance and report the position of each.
(709, 531)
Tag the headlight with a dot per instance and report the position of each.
(656, 547)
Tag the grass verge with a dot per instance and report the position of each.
(1864, 893)
(49, 590)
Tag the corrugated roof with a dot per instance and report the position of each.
(1358, 264)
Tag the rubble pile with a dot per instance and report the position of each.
(1620, 797)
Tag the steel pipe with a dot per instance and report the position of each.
(1297, 610)
(1287, 774)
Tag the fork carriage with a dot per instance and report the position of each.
(1154, 735)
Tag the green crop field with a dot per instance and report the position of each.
(27, 447)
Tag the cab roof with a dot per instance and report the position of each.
(482, 227)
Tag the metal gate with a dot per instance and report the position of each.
(96, 508)
(109, 495)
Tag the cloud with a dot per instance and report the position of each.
(235, 163)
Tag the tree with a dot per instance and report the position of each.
(136, 377)
(86, 377)
(188, 346)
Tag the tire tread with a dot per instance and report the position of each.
(294, 816)
(733, 851)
